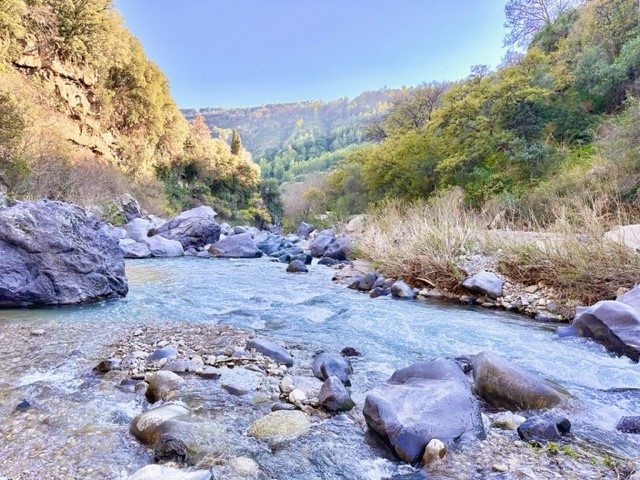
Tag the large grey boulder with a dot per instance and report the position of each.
(132, 249)
(53, 253)
(235, 246)
(614, 324)
(400, 289)
(268, 243)
(505, 385)
(631, 298)
(340, 249)
(321, 242)
(193, 228)
(138, 229)
(487, 283)
(163, 247)
(424, 401)
(305, 229)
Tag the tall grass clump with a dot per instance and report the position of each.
(420, 242)
(573, 256)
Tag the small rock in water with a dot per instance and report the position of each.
(280, 425)
(629, 425)
(244, 467)
(282, 406)
(379, 292)
(271, 350)
(107, 365)
(544, 428)
(499, 467)
(349, 352)
(162, 385)
(37, 332)
(434, 451)
(297, 267)
(168, 353)
(22, 406)
(334, 396)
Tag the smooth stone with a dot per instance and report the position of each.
(280, 425)
(424, 401)
(161, 353)
(270, 350)
(297, 267)
(379, 292)
(547, 427)
(162, 247)
(486, 283)
(146, 426)
(244, 467)
(400, 289)
(236, 246)
(507, 421)
(132, 249)
(434, 451)
(138, 229)
(283, 406)
(629, 424)
(350, 352)
(326, 365)
(297, 396)
(334, 396)
(162, 384)
(328, 262)
(505, 385)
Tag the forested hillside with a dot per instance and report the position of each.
(559, 121)
(293, 139)
(85, 116)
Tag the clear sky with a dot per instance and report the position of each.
(238, 53)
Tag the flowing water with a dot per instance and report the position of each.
(78, 426)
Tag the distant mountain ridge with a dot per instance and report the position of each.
(283, 136)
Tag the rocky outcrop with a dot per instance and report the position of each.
(486, 283)
(235, 246)
(53, 253)
(613, 323)
(505, 385)
(419, 403)
(193, 228)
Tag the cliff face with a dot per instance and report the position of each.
(72, 89)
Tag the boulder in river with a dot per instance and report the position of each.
(321, 243)
(132, 249)
(486, 283)
(400, 289)
(327, 365)
(138, 229)
(193, 228)
(305, 229)
(235, 246)
(297, 267)
(334, 396)
(340, 249)
(163, 247)
(268, 243)
(505, 385)
(424, 401)
(146, 427)
(162, 384)
(271, 350)
(614, 324)
(547, 427)
(54, 253)
(629, 424)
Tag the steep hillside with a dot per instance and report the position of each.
(86, 116)
(293, 139)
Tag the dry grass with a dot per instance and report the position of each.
(572, 256)
(420, 243)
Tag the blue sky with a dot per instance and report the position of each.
(239, 53)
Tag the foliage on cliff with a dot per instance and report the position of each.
(79, 97)
(536, 127)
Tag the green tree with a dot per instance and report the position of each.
(236, 143)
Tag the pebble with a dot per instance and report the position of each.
(499, 467)
(297, 396)
(435, 451)
(37, 332)
(286, 385)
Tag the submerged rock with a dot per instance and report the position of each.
(281, 425)
(271, 350)
(236, 246)
(146, 427)
(505, 385)
(615, 324)
(53, 253)
(424, 401)
(487, 283)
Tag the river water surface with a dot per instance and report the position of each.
(80, 429)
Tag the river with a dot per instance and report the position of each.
(79, 427)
